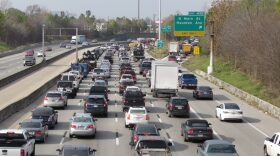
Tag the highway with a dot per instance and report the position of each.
(112, 137)
(14, 63)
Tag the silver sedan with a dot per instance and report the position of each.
(82, 124)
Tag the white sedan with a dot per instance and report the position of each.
(229, 111)
(136, 115)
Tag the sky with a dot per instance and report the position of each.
(116, 8)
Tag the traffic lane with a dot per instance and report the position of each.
(247, 140)
(258, 120)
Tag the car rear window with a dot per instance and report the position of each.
(135, 111)
(179, 101)
(82, 119)
(135, 94)
(65, 84)
(127, 83)
(205, 88)
(221, 148)
(53, 95)
(146, 129)
(30, 124)
(199, 124)
(231, 106)
(98, 70)
(126, 76)
(153, 144)
(68, 78)
(76, 152)
(97, 89)
(96, 100)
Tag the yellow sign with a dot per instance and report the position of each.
(189, 33)
(196, 50)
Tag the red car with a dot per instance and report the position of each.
(172, 58)
(130, 72)
(145, 72)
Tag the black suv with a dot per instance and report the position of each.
(145, 65)
(48, 114)
(133, 98)
(108, 57)
(178, 106)
(96, 105)
(99, 90)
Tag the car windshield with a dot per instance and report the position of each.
(221, 148)
(126, 76)
(28, 58)
(139, 111)
(98, 70)
(82, 119)
(146, 130)
(75, 152)
(199, 124)
(98, 89)
(55, 95)
(179, 101)
(96, 100)
(30, 124)
(152, 144)
(188, 76)
(231, 106)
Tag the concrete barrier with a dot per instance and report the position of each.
(250, 99)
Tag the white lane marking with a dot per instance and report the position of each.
(117, 141)
(214, 132)
(116, 119)
(170, 140)
(159, 119)
(254, 127)
(218, 102)
(62, 140)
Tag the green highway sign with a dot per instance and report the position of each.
(166, 28)
(189, 25)
(160, 43)
(195, 13)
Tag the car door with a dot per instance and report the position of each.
(275, 145)
(269, 146)
(219, 109)
(30, 143)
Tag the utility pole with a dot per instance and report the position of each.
(159, 17)
(210, 68)
(43, 41)
(77, 57)
(138, 10)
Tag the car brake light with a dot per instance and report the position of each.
(190, 131)
(46, 98)
(209, 131)
(90, 126)
(22, 153)
(73, 126)
(38, 132)
(147, 117)
(128, 117)
(135, 138)
(171, 106)
(61, 99)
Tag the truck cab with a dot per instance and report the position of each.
(29, 58)
(272, 145)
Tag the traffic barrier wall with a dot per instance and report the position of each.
(251, 99)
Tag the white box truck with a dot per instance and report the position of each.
(173, 47)
(164, 78)
(80, 39)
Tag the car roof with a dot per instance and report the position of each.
(82, 114)
(39, 110)
(217, 141)
(132, 87)
(96, 96)
(18, 131)
(137, 108)
(196, 121)
(33, 120)
(178, 97)
(146, 125)
(77, 147)
(99, 81)
(151, 138)
(53, 92)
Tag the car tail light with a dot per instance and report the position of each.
(73, 126)
(61, 99)
(190, 131)
(38, 132)
(128, 117)
(147, 117)
(171, 106)
(210, 131)
(125, 101)
(211, 92)
(90, 126)
(22, 153)
(46, 98)
(135, 138)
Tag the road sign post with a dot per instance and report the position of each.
(160, 44)
(189, 25)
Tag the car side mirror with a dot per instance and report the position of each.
(217, 106)
(268, 139)
(209, 124)
(169, 144)
(58, 150)
(19, 123)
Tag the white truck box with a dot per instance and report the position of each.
(164, 78)
(173, 47)
(272, 145)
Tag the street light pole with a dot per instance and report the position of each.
(210, 68)
(138, 9)
(159, 16)
(43, 41)
(77, 57)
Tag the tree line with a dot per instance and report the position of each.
(247, 35)
(20, 27)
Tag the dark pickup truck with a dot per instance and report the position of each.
(138, 54)
(133, 98)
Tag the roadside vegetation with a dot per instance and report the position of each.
(4, 47)
(158, 53)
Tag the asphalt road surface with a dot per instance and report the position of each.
(112, 137)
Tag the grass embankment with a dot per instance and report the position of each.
(226, 72)
(158, 53)
(4, 47)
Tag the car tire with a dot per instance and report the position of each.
(125, 125)
(55, 122)
(70, 136)
(265, 151)
(186, 139)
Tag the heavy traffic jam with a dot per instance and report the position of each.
(138, 78)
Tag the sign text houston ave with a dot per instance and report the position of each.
(193, 25)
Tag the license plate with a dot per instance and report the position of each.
(95, 106)
(200, 135)
(81, 127)
(179, 107)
